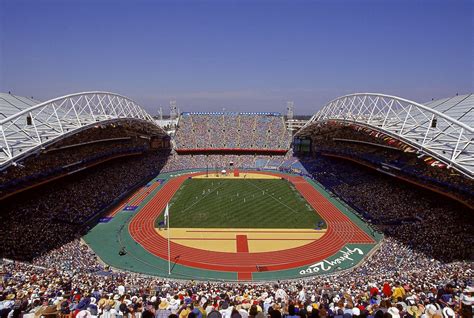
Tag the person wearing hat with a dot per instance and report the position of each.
(82, 305)
(243, 313)
(174, 304)
(394, 312)
(414, 311)
(185, 309)
(355, 312)
(267, 303)
(197, 313)
(467, 302)
(50, 312)
(40, 310)
(448, 312)
(163, 309)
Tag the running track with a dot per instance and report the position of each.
(341, 231)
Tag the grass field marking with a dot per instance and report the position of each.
(273, 197)
(277, 205)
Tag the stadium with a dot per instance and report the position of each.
(232, 196)
(236, 159)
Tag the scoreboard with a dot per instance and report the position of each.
(302, 145)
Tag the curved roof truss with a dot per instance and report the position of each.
(426, 129)
(31, 128)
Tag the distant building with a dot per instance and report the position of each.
(294, 124)
(168, 124)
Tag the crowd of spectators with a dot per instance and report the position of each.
(48, 217)
(439, 227)
(423, 267)
(379, 150)
(232, 131)
(227, 161)
(394, 282)
(74, 152)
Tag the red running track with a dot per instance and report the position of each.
(341, 230)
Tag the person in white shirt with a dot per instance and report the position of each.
(226, 310)
(280, 294)
(302, 295)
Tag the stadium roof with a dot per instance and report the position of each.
(459, 107)
(442, 128)
(27, 125)
(12, 104)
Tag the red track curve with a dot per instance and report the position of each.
(341, 230)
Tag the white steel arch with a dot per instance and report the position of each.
(426, 129)
(31, 128)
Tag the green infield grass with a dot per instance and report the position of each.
(252, 203)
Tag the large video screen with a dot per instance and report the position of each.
(302, 145)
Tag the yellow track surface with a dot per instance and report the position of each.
(224, 240)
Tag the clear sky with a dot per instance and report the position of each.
(237, 55)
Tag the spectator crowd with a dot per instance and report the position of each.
(232, 131)
(227, 161)
(48, 217)
(393, 283)
(96, 144)
(383, 152)
(423, 267)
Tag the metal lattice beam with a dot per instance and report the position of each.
(30, 128)
(428, 130)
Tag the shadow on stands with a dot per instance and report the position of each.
(427, 222)
(46, 217)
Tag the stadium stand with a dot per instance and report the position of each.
(68, 182)
(387, 155)
(97, 144)
(229, 140)
(232, 131)
(224, 161)
(398, 207)
(422, 268)
(405, 157)
(55, 214)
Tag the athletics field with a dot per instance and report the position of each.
(255, 226)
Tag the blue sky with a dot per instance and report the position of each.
(241, 55)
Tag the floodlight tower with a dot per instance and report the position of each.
(160, 113)
(172, 109)
(290, 105)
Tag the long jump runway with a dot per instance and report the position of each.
(340, 231)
